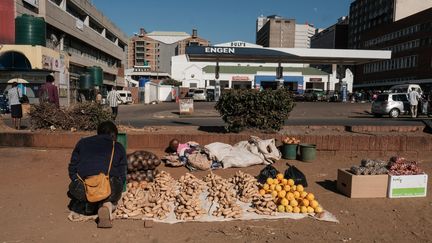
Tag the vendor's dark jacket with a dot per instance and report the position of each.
(92, 155)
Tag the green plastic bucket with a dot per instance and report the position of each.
(122, 138)
(289, 151)
(307, 152)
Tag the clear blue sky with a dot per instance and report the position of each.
(217, 21)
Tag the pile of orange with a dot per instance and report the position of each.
(290, 198)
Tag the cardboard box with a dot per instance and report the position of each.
(407, 186)
(362, 186)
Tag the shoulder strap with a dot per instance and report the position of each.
(17, 92)
(112, 156)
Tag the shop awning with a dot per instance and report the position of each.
(14, 61)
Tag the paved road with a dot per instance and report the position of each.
(304, 113)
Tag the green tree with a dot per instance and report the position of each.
(172, 82)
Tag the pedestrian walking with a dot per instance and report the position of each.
(91, 157)
(48, 92)
(113, 100)
(14, 95)
(98, 97)
(414, 97)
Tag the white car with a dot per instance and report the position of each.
(199, 95)
(125, 96)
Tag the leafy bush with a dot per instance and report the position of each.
(83, 116)
(264, 110)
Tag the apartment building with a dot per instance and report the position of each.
(276, 31)
(303, 35)
(410, 40)
(368, 14)
(79, 33)
(152, 51)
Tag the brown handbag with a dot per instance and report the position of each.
(98, 187)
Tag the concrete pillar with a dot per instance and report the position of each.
(87, 20)
(63, 5)
(103, 33)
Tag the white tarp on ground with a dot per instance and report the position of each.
(210, 207)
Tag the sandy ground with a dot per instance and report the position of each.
(33, 209)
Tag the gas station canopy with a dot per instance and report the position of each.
(284, 55)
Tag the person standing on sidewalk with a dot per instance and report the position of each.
(14, 95)
(91, 156)
(414, 96)
(48, 92)
(113, 100)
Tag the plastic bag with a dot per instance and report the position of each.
(268, 172)
(294, 173)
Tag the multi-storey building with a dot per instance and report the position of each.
(333, 37)
(367, 14)
(152, 52)
(275, 31)
(78, 32)
(410, 40)
(303, 35)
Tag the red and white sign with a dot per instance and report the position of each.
(240, 78)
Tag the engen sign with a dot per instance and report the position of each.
(220, 50)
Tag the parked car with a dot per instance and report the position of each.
(125, 96)
(298, 97)
(190, 93)
(199, 95)
(392, 104)
(314, 94)
(4, 104)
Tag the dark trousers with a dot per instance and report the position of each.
(114, 112)
(79, 203)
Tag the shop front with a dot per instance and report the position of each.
(241, 82)
(29, 65)
(292, 83)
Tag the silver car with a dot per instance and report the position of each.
(392, 104)
(199, 95)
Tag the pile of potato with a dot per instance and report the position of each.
(141, 166)
(132, 202)
(264, 205)
(161, 193)
(245, 185)
(222, 192)
(290, 140)
(188, 204)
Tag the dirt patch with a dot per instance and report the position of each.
(34, 184)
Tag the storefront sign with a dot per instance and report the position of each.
(220, 50)
(186, 106)
(315, 79)
(34, 3)
(238, 44)
(50, 63)
(240, 78)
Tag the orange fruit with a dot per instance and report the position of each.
(293, 203)
(314, 204)
(296, 194)
(291, 182)
(280, 176)
(288, 209)
(272, 187)
(293, 188)
(300, 188)
(262, 192)
(310, 210)
(296, 210)
(303, 194)
(284, 181)
(303, 209)
(287, 188)
(282, 194)
(305, 202)
(269, 181)
(284, 202)
(274, 194)
(290, 196)
(310, 196)
(266, 186)
(281, 208)
(278, 188)
(318, 210)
